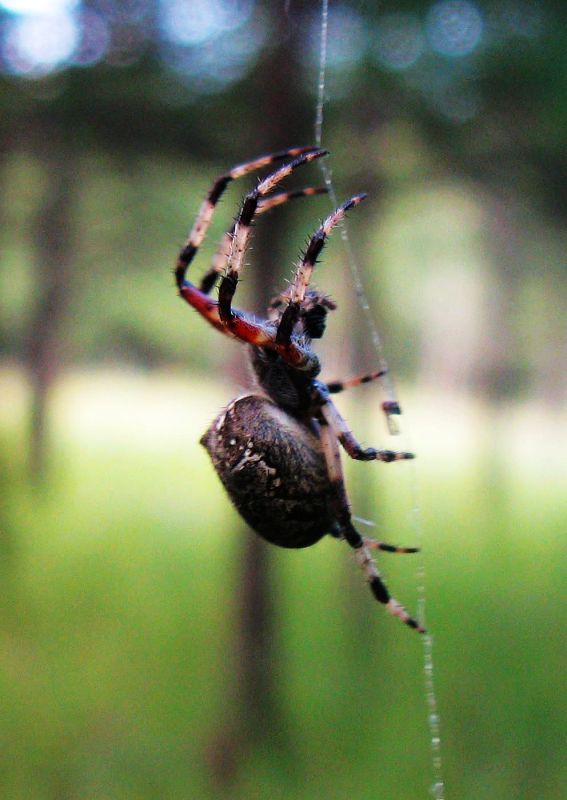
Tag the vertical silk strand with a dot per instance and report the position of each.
(433, 720)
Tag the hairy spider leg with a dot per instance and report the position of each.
(304, 271)
(222, 255)
(313, 298)
(243, 327)
(243, 227)
(203, 220)
(341, 506)
(239, 325)
(339, 386)
(221, 315)
(349, 442)
(268, 203)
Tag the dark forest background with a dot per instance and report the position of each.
(150, 645)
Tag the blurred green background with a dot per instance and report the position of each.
(151, 646)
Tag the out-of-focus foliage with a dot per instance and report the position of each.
(427, 102)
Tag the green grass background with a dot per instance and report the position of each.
(120, 587)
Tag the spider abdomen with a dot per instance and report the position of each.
(273, 469)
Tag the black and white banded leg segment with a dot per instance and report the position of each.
(304, 270)
(243, 226)
(361, 546)
(222, 255)
(205, 215)
(347, 439)
(335, 387)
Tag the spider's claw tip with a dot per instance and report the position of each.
(413, 623)
(352, 203)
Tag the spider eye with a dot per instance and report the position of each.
(314, 321)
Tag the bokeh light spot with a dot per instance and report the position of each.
(36, 44)
(208, 68)
(400, 41)
(94, 39)
(44, 8)
(346, 39)
(199, 20)
(454, 27)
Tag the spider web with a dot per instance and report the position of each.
(433, 719)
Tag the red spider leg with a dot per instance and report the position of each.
(221, 257)
(349, 442)
(243, 226)
(203, 220)
(303, 276)
(339, 386)
(242, 327)
(341, 507)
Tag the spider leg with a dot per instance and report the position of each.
(268, 203)
(305, 270)
(373, 544)
(341, 507)
(389, 407)
(243, 226)
(222, 255)
(241, 326)
(203, 220)
(346, 437)
(339, 386)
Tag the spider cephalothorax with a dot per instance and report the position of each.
(276, 450)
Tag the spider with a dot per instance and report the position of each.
(276, 449)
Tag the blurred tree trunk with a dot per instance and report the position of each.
(281, 121)
(51, 236)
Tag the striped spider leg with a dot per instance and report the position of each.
(332, 431)
(277, 448)
(220, 314)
